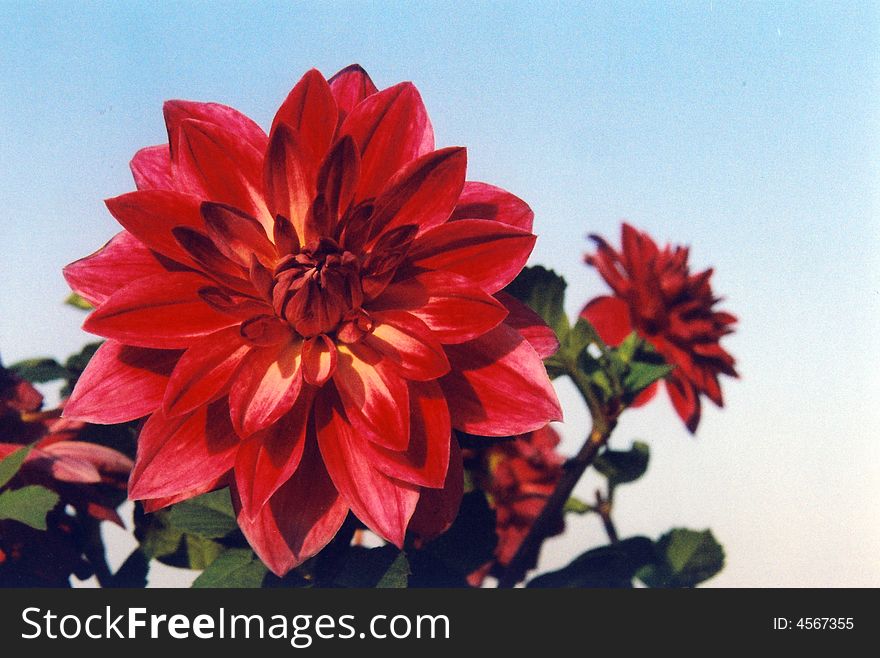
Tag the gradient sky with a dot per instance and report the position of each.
(747, 130)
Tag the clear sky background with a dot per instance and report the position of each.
(747, 130)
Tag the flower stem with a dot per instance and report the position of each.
(603, 509)
(574, 469)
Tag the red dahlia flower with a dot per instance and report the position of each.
(308, 314)
(86, 476)
(519, 476)
(656, 295)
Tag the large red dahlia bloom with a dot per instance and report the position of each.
(656, 295)
(308, 314)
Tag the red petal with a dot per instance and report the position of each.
(484, 201)
(153, 504)
(290, 175)
(231, 120)
(645, 396)
(529, 325)
(349, 87)
(338, 178)
(214, 165)
(151, 168)
(384, 504)
(453, 307)
(311, 111)
(237, 235)
(498, 386)
(610, 318)
(391, 128)
(299, 520)
(203, 371)
(121, 383)
(266, 460)
(265, 386)
(319, 359)
(685, 400)
(179, 454)
(119, 262)
(489, 253)
(426, 459)
(151, 215)
(409, 343)
(163, 311)
(438, 508)
(374, 396)
(423, 193)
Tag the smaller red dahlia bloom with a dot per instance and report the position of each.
(519, 476)
(86, 476)
(656, 295)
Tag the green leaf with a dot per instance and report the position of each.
(614, 565)
(169, 544)
(543, 291)
(200, 552)
(234, 568)
(28, 505)
(622, 466)
(210, 515)
(576, 506)
(645, 368)
(12, 463)
(626, 351)
(39, 371)
(384, 567)
(686, 558)
(78, 301)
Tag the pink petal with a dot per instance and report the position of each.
(349, 87)
(529, 325)
(119, 262)
(162, 311)
(384, 504)
(484, 201)
(269, 458)
(685, 400)
(180, 454)
(409, 343)
(311, 111)
(453, 307)
(338, 179)
(301, 518)
(265, 386)
(488, 253)
(426, 458)
(121, 383)
(391, 128)
(237, 235)
(211, 484)
(151, 168)
(103, 462)
(423, 193)
(610, 318)
(203, 371)
(498, 386)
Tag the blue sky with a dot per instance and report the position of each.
(747, 130)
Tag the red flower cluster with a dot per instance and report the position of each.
(519, 476)
(656, 295)
(83, 474)
(307, 314)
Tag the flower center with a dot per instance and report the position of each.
(318, 289)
